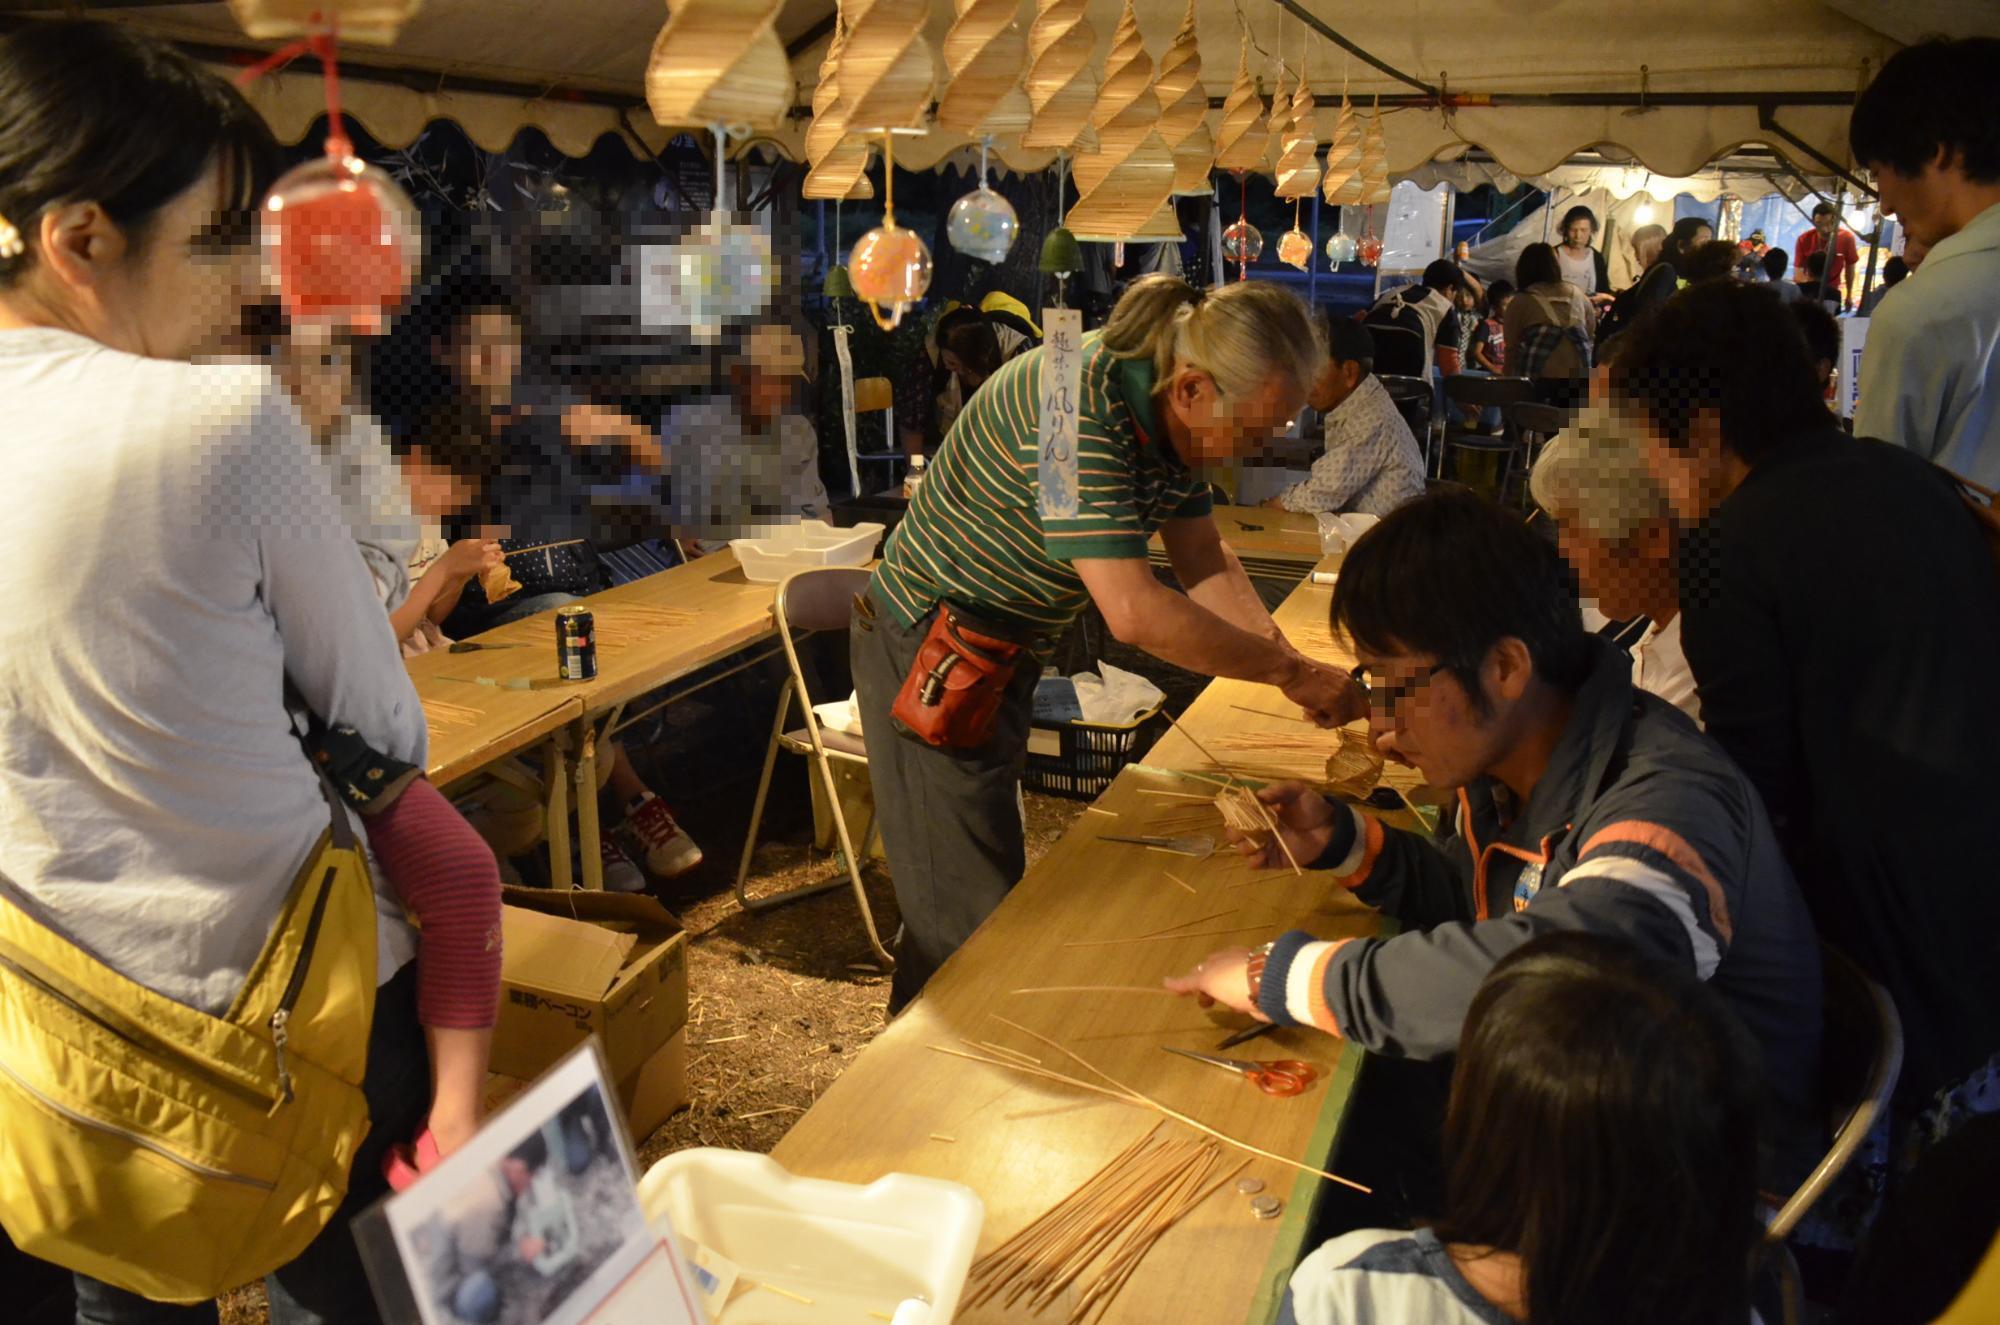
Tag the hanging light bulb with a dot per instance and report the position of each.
(890, 265)
(1341, 248)
(1242, 242)
(982, 224)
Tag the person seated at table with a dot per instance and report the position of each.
(1601, 1159)
(1371, 463)
(1815, 288)
(1842, 616)
(1778, 275)
(1582, 805)
(442, 473)
(745, 460)
(1616, 531)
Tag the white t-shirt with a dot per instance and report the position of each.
(1658, 664)
(175, 551)
(1578, 271)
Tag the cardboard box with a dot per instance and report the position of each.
(649, 1096)
(613, 965)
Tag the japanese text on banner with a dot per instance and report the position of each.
(1062, 386)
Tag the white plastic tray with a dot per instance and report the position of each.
(774, 555)
(851, 1249)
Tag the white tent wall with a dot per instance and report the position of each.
(1472, 48)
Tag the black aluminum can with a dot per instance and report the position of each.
(576, 644)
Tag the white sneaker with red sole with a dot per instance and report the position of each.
(670, 852)
(621, 873)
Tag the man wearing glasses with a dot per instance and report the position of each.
(1583, 804)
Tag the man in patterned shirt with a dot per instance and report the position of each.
(1371, 463)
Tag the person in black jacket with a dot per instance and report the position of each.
(1842, 619)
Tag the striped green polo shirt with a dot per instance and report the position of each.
(974, 535)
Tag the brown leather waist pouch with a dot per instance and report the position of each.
(952, 694)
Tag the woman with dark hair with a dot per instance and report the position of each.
(178, 559)
(1601, 1160)
(1689, 233)
(1548, 325)
(1582, 265)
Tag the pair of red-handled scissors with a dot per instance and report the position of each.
(1284, 1076)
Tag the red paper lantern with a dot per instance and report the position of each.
(340, 244)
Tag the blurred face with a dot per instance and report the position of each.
(484, 355)
(1578, 233)
(1701, 236)
(1214, 427)
(968, 377)
(1695, 478)
(320, 377)
(177, 289)
(1505, 300)
(1421, 714)
(1627, 579)
(1922, 202)
(762, 395)
(436, 493)
(1335, 383)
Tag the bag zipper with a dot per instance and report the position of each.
(138, 1139)
(280, 1020)
(148, 1044)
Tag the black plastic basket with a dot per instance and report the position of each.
(1088, 754)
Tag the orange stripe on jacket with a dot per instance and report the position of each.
(1675, 848)
(1372, 838)
(1321, 1012)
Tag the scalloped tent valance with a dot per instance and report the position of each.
(592, 60)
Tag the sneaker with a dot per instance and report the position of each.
(670, 852)
(621, 872)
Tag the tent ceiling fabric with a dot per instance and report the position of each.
(1471, 46)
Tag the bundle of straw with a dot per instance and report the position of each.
(1109, 1223)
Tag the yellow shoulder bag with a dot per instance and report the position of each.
(168, 1152)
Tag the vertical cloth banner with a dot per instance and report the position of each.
(846, 357)
(1062, 386)
(1847, 372)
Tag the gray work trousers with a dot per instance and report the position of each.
(950, 819)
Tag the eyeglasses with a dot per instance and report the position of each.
(1385, 699)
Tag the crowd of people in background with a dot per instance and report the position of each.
(1721, 707)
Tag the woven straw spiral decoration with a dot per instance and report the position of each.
(1061, 87)
(839, 164)
(1298, 164)
(1374, 162)
(1126, 182)
(985, 51)
(1341, 185)
(1184, 111)
(720, 62)
(887, 71)
(1239, 142)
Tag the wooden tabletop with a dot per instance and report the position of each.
(1025, 1144)
(1263, 535)
(654, 630)
(472, 725)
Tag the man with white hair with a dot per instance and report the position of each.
(1617, 532)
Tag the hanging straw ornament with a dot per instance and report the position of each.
(982, 224)
(985, 52)
(1341, 185)
(372, 22)
(1374, 161)
(1130, 178)
(1061, 87)
(887, 70)
(1298, 163)
(1184, 112)
(889, 265)
(719, 62)
(1277, 124)
(340, 240)
(1239, 142)
(839, 162)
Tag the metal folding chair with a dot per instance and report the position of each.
(817, 601)
(1415, 401)
(1862, 1053)
(1535, 423)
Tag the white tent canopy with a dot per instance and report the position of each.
(1716, 50)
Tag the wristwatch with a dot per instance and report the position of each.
(1253, 970)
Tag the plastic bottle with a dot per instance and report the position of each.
(914, 478)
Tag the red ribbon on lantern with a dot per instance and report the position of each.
(340, 238)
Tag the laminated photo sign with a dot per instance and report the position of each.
(1062, 386)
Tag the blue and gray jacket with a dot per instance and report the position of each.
(1642, 829)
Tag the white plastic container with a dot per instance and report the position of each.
(1338, 532)
(888, 1247)
(783, 549)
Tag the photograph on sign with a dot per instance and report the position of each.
(536, 1220)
